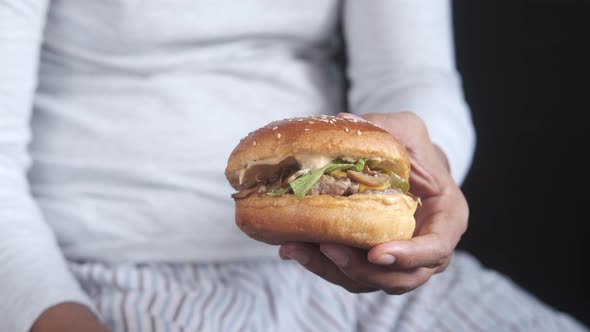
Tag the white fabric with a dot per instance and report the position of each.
(282, 296)
(117, 117)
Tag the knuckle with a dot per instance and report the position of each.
(399, 289)
(355, 274)
(435, 265)
(443, 251)
(441, 268)
(443, 265)
(462, 210)
(465, 222)
(356, 289)
(464, 226)
(410, 283)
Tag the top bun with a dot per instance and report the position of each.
(328, 136)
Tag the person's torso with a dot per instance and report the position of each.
(140, 103)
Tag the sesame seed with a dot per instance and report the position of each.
(346, 129)
(275, 128)
(279, 135)
(358, 132)
(254, 143)
(311, 122)
(306, 129)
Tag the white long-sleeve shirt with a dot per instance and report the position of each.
(117, 118)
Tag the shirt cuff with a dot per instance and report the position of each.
(29, 290)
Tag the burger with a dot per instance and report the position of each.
(322, 179)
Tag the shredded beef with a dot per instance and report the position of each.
(245, 193)
(326, 185)
(329, 185)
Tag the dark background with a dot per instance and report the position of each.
(526, 74)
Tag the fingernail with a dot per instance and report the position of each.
(337, 256)
(301, 257)
(385, 259)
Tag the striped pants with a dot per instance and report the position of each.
(276, 295)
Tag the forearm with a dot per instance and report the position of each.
(444, 113)
(407, 64)
(33, 273)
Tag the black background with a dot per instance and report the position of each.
(526, 74)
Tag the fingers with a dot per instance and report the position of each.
(315, 261)
(437, 234)
(349, 268)
(353, 263)
(444, 266)
(431, 250)
(422, 251)
(399, 266)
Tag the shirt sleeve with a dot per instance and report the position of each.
(400, 56)
(33, 272)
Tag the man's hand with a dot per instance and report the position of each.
(400, 266)
(68, 317)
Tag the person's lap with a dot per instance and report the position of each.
(275, 295)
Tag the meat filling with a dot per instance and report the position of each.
(326, 185)
(329, 185)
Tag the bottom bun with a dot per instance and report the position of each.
(361, 221)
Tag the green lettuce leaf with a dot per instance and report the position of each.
(360, 164)
(337, 167)
(303, 184)
(280, 191)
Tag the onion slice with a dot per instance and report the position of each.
(376, 180)
(295, 176)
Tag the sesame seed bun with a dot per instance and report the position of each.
(326, 135)
(359, 220)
